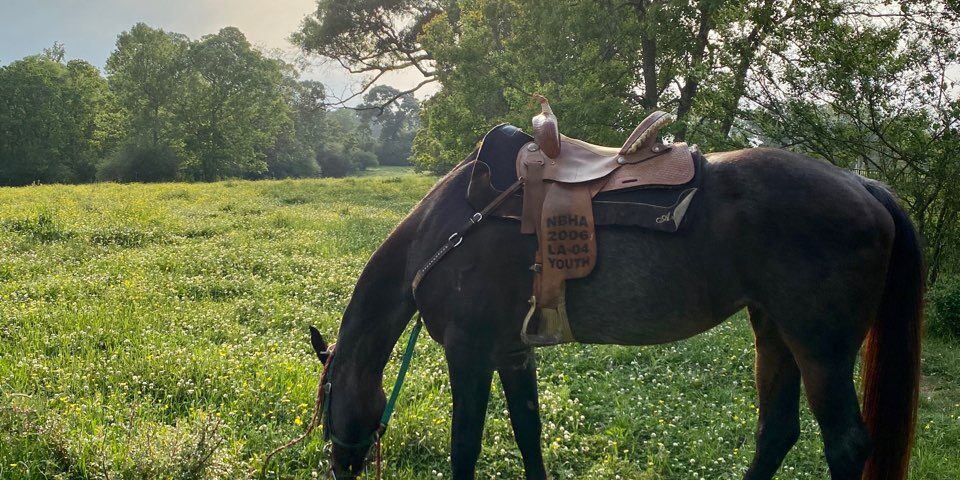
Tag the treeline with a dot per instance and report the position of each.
(172, 108)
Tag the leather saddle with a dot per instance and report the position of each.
(571, 186)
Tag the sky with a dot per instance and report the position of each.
(89, 28)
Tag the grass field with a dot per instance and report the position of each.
(159, 331)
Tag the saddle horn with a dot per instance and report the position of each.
(546, 132)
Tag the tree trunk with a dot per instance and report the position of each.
(747, 53)
(689, 91)
(651, 94)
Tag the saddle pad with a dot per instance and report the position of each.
(647, 205)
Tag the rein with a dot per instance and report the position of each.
(322, 405)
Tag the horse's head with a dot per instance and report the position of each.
(352, 421)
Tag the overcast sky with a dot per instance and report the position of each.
(88, 28)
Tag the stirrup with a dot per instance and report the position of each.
(554, 327)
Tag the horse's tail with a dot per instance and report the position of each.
(891, 357)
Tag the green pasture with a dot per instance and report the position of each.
(160, 331)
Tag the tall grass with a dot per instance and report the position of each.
(159, 331)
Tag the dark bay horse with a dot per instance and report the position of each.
(821, 258)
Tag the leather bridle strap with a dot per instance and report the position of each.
(456, 238)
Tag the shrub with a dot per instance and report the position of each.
(291, 158)
(364, 159)
(43, 227)
(141, 163)
(335, 164)
(943, 303)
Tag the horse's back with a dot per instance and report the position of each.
(797, 226)
(765, 225)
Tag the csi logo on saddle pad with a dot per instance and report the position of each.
(569, 188)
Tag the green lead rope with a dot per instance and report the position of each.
(401, 375)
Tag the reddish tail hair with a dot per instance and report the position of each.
(891, 358)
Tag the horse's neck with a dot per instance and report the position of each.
(379, 310)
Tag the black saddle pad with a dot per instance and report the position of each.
(654, 207)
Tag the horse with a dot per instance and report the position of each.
(823, 260)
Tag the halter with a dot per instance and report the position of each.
(391, 403)
(323, 405)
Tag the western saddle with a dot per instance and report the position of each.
(561, 176)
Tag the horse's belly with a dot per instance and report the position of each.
(649, 288)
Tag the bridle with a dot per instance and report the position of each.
(374, 438)
(321, 411)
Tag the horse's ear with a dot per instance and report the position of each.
(319, 346)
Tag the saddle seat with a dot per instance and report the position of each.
(580, 161)
(561, 176)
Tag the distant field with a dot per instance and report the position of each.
(387, 171)
(159, 331)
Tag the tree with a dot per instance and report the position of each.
(347, 146)
(863, 84)
(232, 107)
(396, 122)
(375, 37)
(56, 120)
(147, 72)
(873, 92)
(295, 153)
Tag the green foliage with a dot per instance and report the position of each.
(147, 73)
(396, 117)
(867, 85)
(944, 304)
(56, 121)
(291, 158)
(140, 163)
(348, 146)
(232, 108)
(159, 331)
(175, 108)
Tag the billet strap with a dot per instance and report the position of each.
(455, 239)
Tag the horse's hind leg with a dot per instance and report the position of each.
(518, 374)
(828, 379)
(778, 390)
(825, 341)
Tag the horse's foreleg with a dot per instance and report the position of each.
(778, 390)
(471, 371)
(518, 375)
